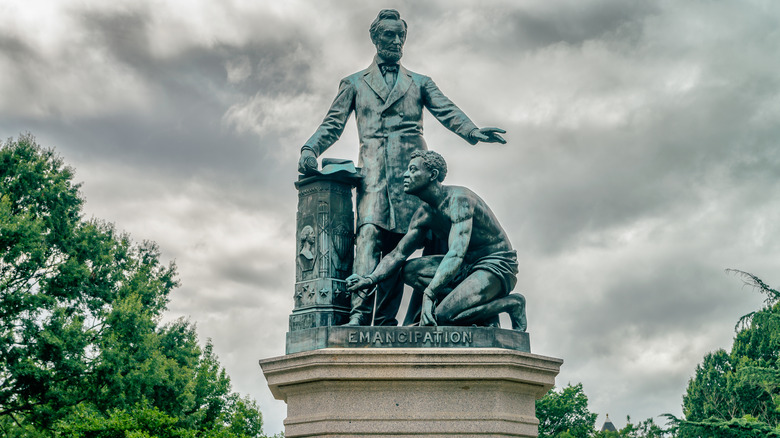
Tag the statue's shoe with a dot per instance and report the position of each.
(354, 321)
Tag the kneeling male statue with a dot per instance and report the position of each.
(471, 283)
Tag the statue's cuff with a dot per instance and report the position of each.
(371, 279)
(471, 138)
(309, 148)
(429, 293)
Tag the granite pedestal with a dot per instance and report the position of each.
(410, 392)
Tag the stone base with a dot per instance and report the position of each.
(406, 337)
(318, 316)
(410, 392)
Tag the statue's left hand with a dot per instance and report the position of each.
(489, 135)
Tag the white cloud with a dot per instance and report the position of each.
(287, 117)
(238, 69)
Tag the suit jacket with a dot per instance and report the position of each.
(390, 127)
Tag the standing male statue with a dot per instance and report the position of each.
(471, 283)
(388, 102)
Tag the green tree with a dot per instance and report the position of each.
(565, 413)
(737, 394)
(645, 429)
(82, 350)
(141, 421)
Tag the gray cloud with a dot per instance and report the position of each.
(642, 158)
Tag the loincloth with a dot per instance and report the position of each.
(502, 264)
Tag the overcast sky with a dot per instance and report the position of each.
(642, 157)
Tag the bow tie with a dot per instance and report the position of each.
(384, 68)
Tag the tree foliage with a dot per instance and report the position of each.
(737, 394)
(82, 350)
(565, 411)
(645, 429)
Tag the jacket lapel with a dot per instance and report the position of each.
(402, 84)
(376, 81)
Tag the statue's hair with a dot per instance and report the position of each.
(384, 14)
(306, 232)
(432, 161)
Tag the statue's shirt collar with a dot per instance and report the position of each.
(378, 60)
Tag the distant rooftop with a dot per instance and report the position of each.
(608, 426)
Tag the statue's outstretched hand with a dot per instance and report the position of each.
(307, 162)
(489, 135)
(357, 282)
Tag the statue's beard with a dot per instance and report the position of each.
(390, 55)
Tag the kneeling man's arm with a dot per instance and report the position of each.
(460, 236)
(411, 241)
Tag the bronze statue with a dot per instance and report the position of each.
(388, 102)
(471, 283)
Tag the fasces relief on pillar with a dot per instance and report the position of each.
(343, 239)
(324, 252)
(325, 245)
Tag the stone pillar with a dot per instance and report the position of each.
(324, 251)
(410, 392)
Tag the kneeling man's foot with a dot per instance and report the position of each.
(493, 321)
(517, 312)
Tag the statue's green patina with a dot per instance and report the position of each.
(388, 102)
